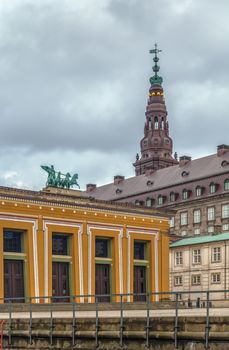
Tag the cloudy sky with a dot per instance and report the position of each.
(74, 79)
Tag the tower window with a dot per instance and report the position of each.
(156, 123)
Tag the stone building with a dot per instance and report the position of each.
(56, 243)
(200, 264)
(198, 190)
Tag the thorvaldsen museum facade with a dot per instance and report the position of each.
(56, 243)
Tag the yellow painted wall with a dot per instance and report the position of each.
(83, 225)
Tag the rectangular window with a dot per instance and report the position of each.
(195, 280)
(197, 231)
(210, 229)
(196, 256)
(12, 241)
(183, 233)
(178, 258)
(225, 211)
(215, 278)
(139, 250)
(172, 222)
(178, 281)
(211, 213)
(198, 191)
(225, 227)
(196, 216)
(59, 244)
(102, 248)
(216, 254)
(184, 218)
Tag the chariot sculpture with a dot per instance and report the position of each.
(57, 179)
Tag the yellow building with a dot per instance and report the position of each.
(57, 243)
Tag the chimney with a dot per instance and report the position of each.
(90, 187)
(118, 179)
(184, 160)
(221, 149)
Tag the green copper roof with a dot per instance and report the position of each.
(156, 79)
(201, 240)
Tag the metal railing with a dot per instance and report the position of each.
(51, 303)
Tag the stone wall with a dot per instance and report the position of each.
(191, 334)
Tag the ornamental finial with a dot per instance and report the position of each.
(156, 79)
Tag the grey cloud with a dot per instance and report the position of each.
(74, 80)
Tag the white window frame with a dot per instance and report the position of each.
(196, 256)
(211, 213)
(198, 191)
(185, 194)
(225, 227)
(178, 258)
(160, 200)
(211, 229)
(216, 254)
(178, 281)
(225, 211)
(196, 280)
(172, 221)
(226, 185)
(212, 188)
(216, 278)
(197, 231)
(184, 218)
(196, 216)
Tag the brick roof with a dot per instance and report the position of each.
(201, 240)
(200, 168)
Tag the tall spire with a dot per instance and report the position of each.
(156, 145)
(156, 79)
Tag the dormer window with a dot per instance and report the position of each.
(172, 197)
(185, 194)
(226, 185)
(212, 187)
(149, 202)
(149, 183)
(199, 191)
(118, 191)
(160, 199)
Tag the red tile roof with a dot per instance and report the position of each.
(200, 168)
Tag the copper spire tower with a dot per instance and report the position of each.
(156, 145)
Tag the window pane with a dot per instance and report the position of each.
(225, 211)
(211, 213)
(12, 241)
(197, 216)
(59, 245)
(184, 218)
(101, 248)
(139, 250)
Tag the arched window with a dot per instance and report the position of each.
(150, 124)
(226, 185)
(162, 123)
(156, 123)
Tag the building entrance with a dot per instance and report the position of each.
(60, 281)
(14, 280)
(102, 281)
(139, 282)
